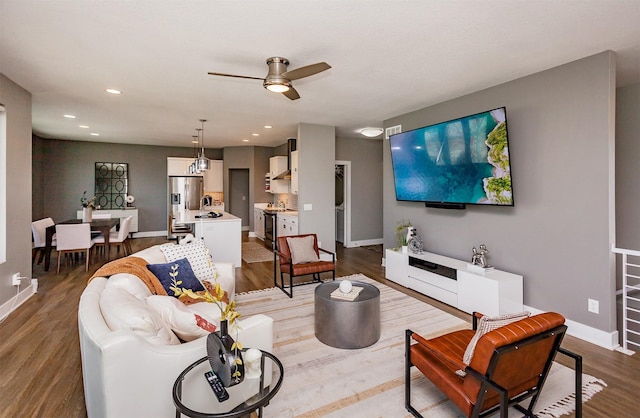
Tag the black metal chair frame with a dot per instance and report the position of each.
(316, 276)
(487, 383)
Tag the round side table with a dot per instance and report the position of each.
(347, 324)
(255, 402)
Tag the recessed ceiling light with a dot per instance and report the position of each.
(83, 126)
(95, 134)
(268, 126)
(70, 116)
(113, 91)
(255, 134)
(371, 132)
(245, 140)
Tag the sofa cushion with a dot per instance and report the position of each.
(123, 311)
(302, 250)
(174, 274)
(198, 255)
(184, 322)
(130, 283)
(489, 323)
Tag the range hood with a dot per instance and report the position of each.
(286, 175)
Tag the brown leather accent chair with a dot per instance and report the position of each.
(302, 269)
(510, 365)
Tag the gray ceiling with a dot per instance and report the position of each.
(388, 58)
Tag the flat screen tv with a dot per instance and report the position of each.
(455, 163)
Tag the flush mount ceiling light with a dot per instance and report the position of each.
(268, 126)
(113, 91)
(83, 126)
(371, 132)
(277, 86)
(69, 116)
(94, 134)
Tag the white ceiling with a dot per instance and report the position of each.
(388, 58)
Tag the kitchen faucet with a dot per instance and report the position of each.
(280, 204)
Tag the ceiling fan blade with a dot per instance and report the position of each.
(292, 94)
(237, 76)
(306, 71)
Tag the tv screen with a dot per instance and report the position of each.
(462, 161)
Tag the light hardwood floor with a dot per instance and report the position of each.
(40, 374)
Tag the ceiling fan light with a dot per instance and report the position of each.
(277, 88)
(371, 132)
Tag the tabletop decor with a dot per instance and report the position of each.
(88, 204)
(225, 353)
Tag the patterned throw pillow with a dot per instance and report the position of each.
(302, 250)
(166, 273)
(489, 323)
(198, 255)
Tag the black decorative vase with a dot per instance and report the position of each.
(223, 359)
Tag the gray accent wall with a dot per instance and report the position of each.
(316, 161)
(17, 151)
(627, 170)
(366, 185)
(66, 168)
(559, 233)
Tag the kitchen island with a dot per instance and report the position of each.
(222, 235)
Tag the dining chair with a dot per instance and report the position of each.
(38, 229)
(94, 233)
(72, 238)
(118, 238)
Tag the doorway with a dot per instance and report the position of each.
(343, 202)
(239, 195)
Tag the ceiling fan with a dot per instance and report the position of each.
(278, 79)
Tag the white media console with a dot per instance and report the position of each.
(492, 292)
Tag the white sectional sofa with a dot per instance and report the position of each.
(127, 376)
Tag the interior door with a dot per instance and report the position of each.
(239, 194)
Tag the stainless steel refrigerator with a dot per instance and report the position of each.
(185, 193)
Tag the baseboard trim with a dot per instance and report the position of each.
(252, 234)
(608, 340)
(15, 302)
(148, 234)
(362, 243)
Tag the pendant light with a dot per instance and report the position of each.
(193, 168)
(202, 162)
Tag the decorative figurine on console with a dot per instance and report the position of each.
(414, 241)
(479, 258)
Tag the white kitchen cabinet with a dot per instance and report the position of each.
(258, 223)
(294, 172)
(213, 177)
(277, 166)
(287, 225)
(178, 166)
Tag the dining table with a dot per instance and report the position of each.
(100, 225)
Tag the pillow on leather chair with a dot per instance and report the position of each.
(302, 250)
(489, 323)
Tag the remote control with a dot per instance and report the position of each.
(217, 387)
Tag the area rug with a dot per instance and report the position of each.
(322, 381)
(254, 252)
